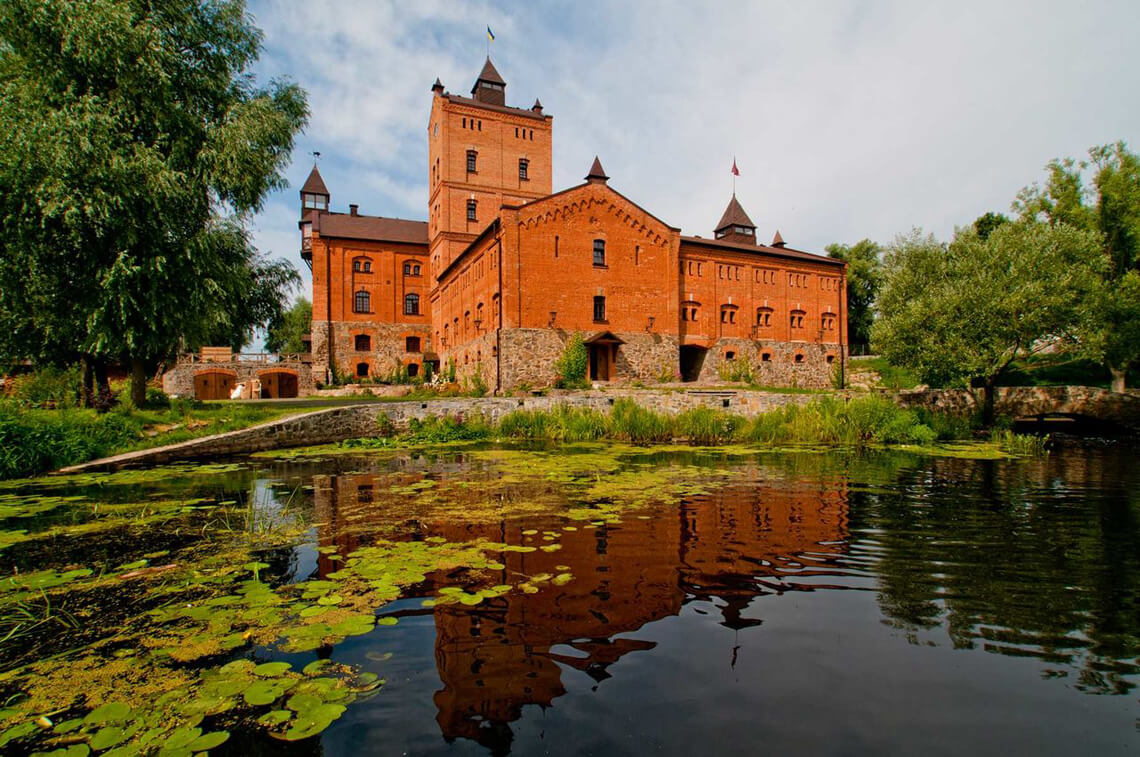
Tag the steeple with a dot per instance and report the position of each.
(490, 87)
(735, 225)
(597, 174)
(777, 241)
(314, 193)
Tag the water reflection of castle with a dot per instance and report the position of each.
(494, 659)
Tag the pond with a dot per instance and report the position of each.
(581, 599)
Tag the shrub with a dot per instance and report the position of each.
(736, 370)
(633, 423)
(704, 425)
(1026, 445)
(49, 387)
(34, 441)
(574, 364)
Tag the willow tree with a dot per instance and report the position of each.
(962, 313)
(134, 145)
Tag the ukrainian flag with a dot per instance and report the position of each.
(490, 34)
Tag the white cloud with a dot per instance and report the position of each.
(848, 120)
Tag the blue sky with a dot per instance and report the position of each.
(847, 119)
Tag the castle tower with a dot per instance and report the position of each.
(314, 199)
(735, 225)
(482, 154)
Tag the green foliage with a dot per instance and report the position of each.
(864, 279)
(985, 224)
(287, 328)
(564, 423)
(1108, 205)
(48, 387)
(475, 386)
(574, 364)
(860, 422)
(130, 158)
(968, 309)
(1022, 445)
(633, 423)
(702, 425)
(739, 370)
(890, 376)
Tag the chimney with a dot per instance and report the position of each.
(352, 209)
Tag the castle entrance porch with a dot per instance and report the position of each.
(602, 349)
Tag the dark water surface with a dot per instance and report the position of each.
(810, 603)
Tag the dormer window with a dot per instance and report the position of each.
(314, 201)
(744, 230)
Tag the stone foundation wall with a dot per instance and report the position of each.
(780, 369)
(388, 348)
(179, 381)
(529, 356)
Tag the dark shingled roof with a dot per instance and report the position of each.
(315, 184)
(754, 249)
(596, 170)
(490, 74)
(525, 113)
(734, 215)
(374, 228)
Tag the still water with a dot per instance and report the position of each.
(703, 602)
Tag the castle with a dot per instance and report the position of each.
(505, 271)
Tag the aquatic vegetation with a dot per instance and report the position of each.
(1026, 445)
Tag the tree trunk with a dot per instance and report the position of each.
(988, 403)
(138, 382)
(1118, 376)
(87, 388)
(104, 399)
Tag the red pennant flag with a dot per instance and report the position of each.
(735, 170)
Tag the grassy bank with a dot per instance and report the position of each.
(34, 441)
(871, 421)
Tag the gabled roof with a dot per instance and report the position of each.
(490, 74)
(734, 215)
(759, 249)
(372, 228)
(315, 184)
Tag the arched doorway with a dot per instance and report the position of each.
(692, 360)
(278, 384)
(602, 349)
(214, 385)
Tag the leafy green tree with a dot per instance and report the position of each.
(1108, 205)
(133, 146)
(864, 278)
(984, 224)
(574, 364)
(286, 333)
(964, 311)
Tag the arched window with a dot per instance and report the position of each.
(796, 321)
(362, 302)
(368, 266)
(728, 313)
(362, 370)
(407, 269)
(413, 370)
(362, 343)
(356, 266)
(764, 317)
(411, 304)
(479, 316)
(765, 357)
(799, 357)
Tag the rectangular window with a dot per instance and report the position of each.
(523, 165)
(471, 161)
(599, 308)
(472, 205)
(599, 252)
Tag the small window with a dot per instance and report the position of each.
(799, 357)
(472, 207)
(356, 266)
(763, 317)
(362, 302)
(524, 164)
(362, 343)
(413, 370)
(765, 357)
(599, 252)
(464, 123)
(416, 269)
(407, 269)
(728, 314)
(362, 370)
(599, 308)
(471, 161)
(730, 355)
(411, 304)
(637, 254)
(368, 266)
(411, 344)
(830, 359)
(532, 134)
(796, 319)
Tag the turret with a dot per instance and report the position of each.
(735, 225)
(489, 87)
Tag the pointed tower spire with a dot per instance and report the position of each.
(437, 87)
(537, 107)
(777, 241)
(735, 225)
(314, 193)
(489, 86)
(597, 174)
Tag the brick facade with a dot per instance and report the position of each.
(510, 271)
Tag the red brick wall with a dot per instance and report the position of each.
(386, 283)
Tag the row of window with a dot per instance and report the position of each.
(766, 357)
(478, 323)
(521, 133)
(761, 275)
(690, 313)
(473, 165)
(363, 343)
(364, 265)
(473, 124)
(362, 303)
(362, 369)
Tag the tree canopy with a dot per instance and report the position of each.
(1102, 196)
(964, 311)
(134, 144)
(864, 278)
(287, 330)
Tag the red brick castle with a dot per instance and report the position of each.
(504, 272)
